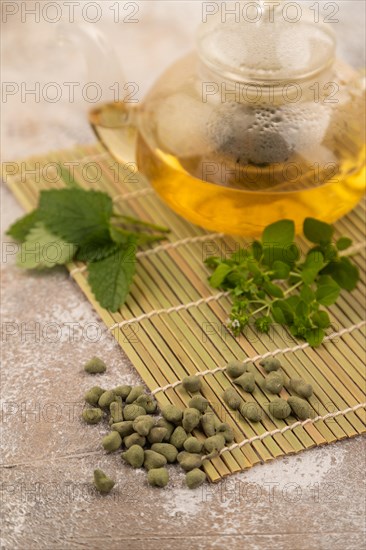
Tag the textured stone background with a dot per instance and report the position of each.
(313, 500)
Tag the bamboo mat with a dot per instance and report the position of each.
(173, 324)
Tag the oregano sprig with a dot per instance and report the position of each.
(270, 282)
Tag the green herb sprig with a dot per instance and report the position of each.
(306, 284)
(75, 224)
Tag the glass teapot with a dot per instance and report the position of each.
(260, 123)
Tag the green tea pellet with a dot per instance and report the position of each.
(224, 429)
(235, 369)
(134, 439)
(158, 477)
(195, 478)
(273, 383)
(208, 424)
(300, 407)
(134, 456)
(92, 416)
(172, 414)
(153, 460)
(232, 398)
(189, 461)
(214, 443)
(246, 381)
(191, 419)
(193, 445)
(112, 442)
(106, 399)
(143, 424)
(270, 364)
(279, 408)
(134, 394)
(162, 423)
(95, 366)
(300, 387)
(115, 408)
(198, 402)
(102, 482)
(131, 412)
(192, 383)
(178, 437)
(251, 411)
(92, 396)
(123, 428)
(156, 435)
(147, 402)
(122, 391)
(166, 449)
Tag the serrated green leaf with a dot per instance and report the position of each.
(328, 291)
(344, 272)
(91, 253)
(321, 319)
(313, 264)
(343, 243)
(315, 337)
(219, 275)
(110, 279)
(43, 249)
(78, 216)
(281, 270)
(273, 290)
(20, 229)
(281, 233)
(317, 232)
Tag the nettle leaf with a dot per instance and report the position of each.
(343, 243)
(317, 232)
(92, 253)
(110, 279)
(43, 249)
(281, 270)
(321, 319)
(328, 291)
(20, 229)
(78, 216)
(344, 272)
(219, 275)
(313, 264)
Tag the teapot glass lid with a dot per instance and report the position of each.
(264, 41)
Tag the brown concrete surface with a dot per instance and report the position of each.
(315, 500)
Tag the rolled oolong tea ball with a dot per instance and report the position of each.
(106, 399)
(147, 402)
(208, 424)
(92, 396)
(191, 419)
(224, 429)
(198, 402)
(95, 366)
(162, 423)
(178, 437)
(193, 445)
(192, 383)
(232, 398)
(134, 456)
(122, 391)
(158, 477)
(143, 424)
(102, 482)
(115, 408)
(300, 387)
(251, 411)
(270, 364)
(112, 442)
(134, 394)
(172, 414)
(134, 439)
(273, 383)
(166, 449)
(153, 460)
(131, 412)
(123, 428)
(195, 478)
(92, 416)
(189, 461)
(214, 443)
(156, 435)
(235, 368)
(279, 408)
(246, 381)
(299, 407)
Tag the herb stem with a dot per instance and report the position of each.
(276, 299)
